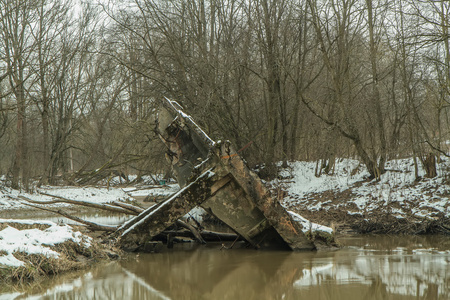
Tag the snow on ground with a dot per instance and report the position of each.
(347, 189)
(129, 179)
(197, 213)
(91, 194)
(396, 192)
(305, 182)
(155, 191)
(308, 225)
(10, 198)
(34, 241)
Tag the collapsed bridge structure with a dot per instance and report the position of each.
(212, 175)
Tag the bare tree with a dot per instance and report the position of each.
(16, 21)
(432, 38)
(53, 23)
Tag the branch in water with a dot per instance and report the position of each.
(192, 229)
(132, 208)
(90, 225)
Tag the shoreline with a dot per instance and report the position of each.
(33, 249)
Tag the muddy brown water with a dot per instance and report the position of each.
(368, 267)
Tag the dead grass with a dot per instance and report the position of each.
(378, 221)
(22, 226)
(323, 240)
(37, 265)
(72, 256)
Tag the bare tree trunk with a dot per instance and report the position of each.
(375, 89)
(429, 163)
(337, 61)
(45, 99)
(271, 14)
(22, 142)
(14, 19)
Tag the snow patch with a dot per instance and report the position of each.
(10, 198)
(35, 241)
(397, 191)
(308, 225)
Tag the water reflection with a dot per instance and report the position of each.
(368, 268)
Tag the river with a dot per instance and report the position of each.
(368, 267)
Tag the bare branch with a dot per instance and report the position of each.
(90, 225)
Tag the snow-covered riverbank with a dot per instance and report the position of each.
(35, 237)
(31, 249)
(397, 203)
(11, 199)
(347, 195)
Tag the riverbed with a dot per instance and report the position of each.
(367, 267)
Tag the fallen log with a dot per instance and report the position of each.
(197, 236)
(129, 209)
(90, 225)
(214, 236)
(59, 199)
(191, 232)
(207, 236)
(132, 208)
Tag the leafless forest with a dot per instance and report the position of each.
(284, 80)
